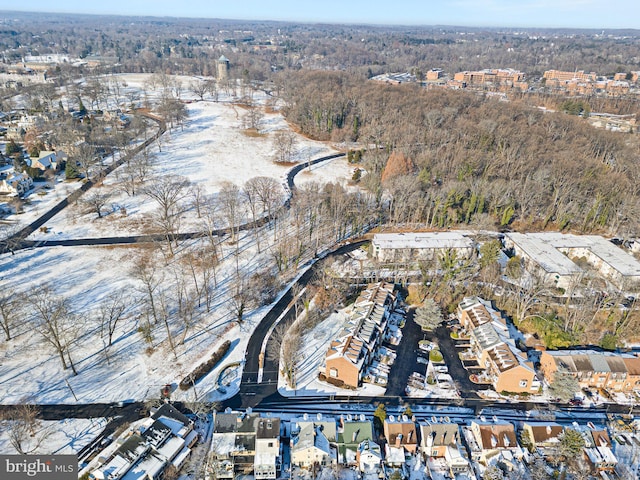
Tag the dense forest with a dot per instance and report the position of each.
(450, 157)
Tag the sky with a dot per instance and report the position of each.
(502, 13)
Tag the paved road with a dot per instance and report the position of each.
(19, 240)
(16, 241)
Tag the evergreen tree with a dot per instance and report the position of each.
(70, 170)
(571, 443)
(429, 315)
(379, 416)
(12, 148)
(564, 386)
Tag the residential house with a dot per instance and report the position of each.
(544, 436)
(435, 437)
(351, 434)
(144, 453)
(507, 367)
(131, 451)
(47, 160)
(597, 449)
(267, 458)
(607, 370)
(493, 441)
(234, 442)
(223, 442)
(354, 349)
(369, 458)
(15, 184)
(401, 431)
(311, 447)
(245, 445)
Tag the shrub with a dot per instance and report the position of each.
(204, 368)
(435, 355)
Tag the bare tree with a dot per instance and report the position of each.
(96, 200)
(284, 347)
(199, 88)
(55, 322)
(252, 119)
(25, 431)
(110, 312)
(150, 277)
(11, 306)
(250, 194)
(10, 237)
(285, 144)
(270, 195)
(85, 155)
(524, 296)
(169, 193)
(231, 204)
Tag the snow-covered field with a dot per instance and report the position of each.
(64, 437)
(211, 149)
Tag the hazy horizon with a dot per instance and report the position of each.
(570, 14)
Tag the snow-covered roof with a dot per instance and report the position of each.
(223, 443)
(600, 455)
(544, 249)
(395, 455)
(311, 436)
(181, 457)
(171, 448)
(422, 240)
(150, 467)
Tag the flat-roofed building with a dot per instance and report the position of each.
(416, 246)
(551, 254)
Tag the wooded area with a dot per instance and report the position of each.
(474, 160)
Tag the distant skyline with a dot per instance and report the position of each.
(483, 13)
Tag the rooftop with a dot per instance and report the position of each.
(423, 240)
(544, 248)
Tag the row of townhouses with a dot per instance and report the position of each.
(147, 450)
(244, 443)
(356, 349)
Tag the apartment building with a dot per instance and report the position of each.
(506, 366)
(551, 254)
(567, 76)
(619, 373)
(417, 246)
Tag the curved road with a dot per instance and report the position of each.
(18, 241)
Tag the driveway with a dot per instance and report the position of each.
(447, 345)
(406, 361)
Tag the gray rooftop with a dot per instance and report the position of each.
(423, 240)
(544, 248)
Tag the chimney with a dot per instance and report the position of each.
(354, 436)
(399, 440)
(410, 436)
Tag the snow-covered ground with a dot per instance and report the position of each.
(315, 344)
(212, 148)
(62, 437)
